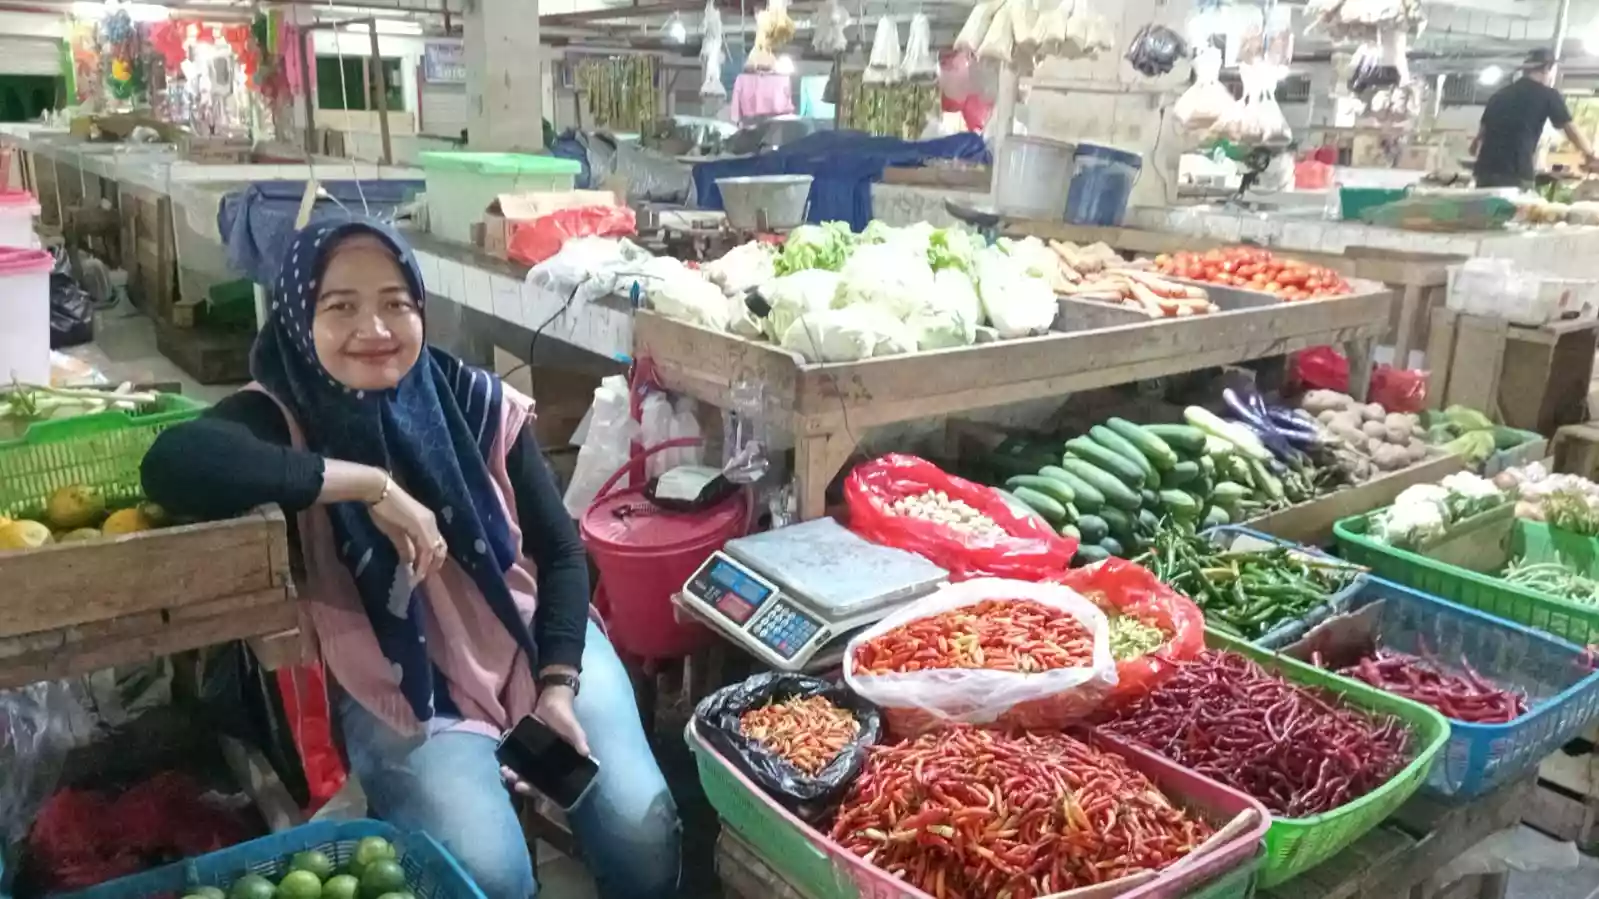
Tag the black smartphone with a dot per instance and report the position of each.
(548, 763)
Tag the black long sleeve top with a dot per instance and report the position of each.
(238, 455)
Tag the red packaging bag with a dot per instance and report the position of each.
(1395, 389)
(535, 241)
(1029, 550)
(1121, 587)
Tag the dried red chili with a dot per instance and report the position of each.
(1299, 751)
(1468, 697)
(974, 814)
(809, 732)
(997, 634)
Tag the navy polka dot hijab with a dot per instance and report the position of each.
(432, 432)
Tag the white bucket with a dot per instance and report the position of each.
(1032, 177)
(17, 209)
(25, 315)
(765, 202)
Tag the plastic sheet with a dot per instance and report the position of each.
(538, 240)
(1028, 551)
(918, 701)
(1128, 589)
(71, 313)
(812, 797)
(38, 725)
(257, 222)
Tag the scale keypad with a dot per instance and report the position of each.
(784, 629)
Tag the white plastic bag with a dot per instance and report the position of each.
(1207, 100)
(884, 65)
(831, 35)
(919, 701)
(919, 61)
(976, 27)
(606, 445)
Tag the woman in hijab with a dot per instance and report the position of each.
(443, 580)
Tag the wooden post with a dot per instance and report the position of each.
(382, 85)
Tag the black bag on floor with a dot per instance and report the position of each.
(71, 312)
(812, 797)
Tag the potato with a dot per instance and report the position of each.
(1373, 412)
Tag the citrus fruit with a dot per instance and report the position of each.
(300, 885)
(74, 507)
(316, 862)
(405, 895)
(381, 876)
(24, 534)
(126, 521)
(252, 886)
(369, 850)
(208, 893)
(342, 886)
(78, 536)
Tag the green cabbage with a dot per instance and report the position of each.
(823, 246)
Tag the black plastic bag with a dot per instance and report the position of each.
(71, 312)
(811, 797)
(1155, 50)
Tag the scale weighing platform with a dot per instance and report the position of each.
(794, 596)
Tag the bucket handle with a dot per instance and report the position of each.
(674, 443)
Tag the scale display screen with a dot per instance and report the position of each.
(729, 590)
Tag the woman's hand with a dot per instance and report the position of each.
(411, 527)
(554, 708)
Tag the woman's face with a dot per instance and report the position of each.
(368, 327)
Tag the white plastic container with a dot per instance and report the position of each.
(17, 209)
(460, 186)
(1032, 176)
(25, 315)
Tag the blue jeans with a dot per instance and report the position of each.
(449, 786)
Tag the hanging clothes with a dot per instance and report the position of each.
(761, 94)
(292, 41)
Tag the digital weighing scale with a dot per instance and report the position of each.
(792, 597)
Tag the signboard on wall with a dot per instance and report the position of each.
(444, 62)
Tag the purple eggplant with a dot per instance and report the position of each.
(1297, 430)
(1273, 440)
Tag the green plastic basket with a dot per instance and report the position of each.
(1483, 590)
(100, 450)
(1295, 845)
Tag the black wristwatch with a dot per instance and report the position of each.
(560, 679)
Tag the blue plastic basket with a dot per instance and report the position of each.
(1289, 631)
(1561, 687)
(430, 871)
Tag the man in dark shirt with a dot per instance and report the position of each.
(1514, 121)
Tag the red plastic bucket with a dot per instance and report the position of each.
(645, 554)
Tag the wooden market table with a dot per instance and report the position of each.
(828, 406)
(73, 608)
(1394, 861)
(1532, 378)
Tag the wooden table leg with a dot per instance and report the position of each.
(1360, 365)
(1404, 336)
(817, 458)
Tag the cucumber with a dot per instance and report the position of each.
(1207, 465)
(1156, 450)
(1088, 554)
(1053, 512)
(1148, 499)
(1056, 490)
(1087, 498)
(1226, 493)
(1113, 547)
(1148, 522)
(1123, 447)
(1182, 438)
(1180, 474)
(1181, 506)
(1072, 531)
(1215, 517)
(1117, 522)
(1113, 490)
(1019, 507)
(1115, 463)
(1092, 528)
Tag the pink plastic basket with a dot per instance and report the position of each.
(1216, 802)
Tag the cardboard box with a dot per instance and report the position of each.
(508, 210)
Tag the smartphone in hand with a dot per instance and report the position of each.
(549, 764)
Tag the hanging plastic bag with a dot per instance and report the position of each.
(1122, 588)
(1207, 100)
(811, 796)
(607, 442)
(918, 701)
(711, 53)
(831, 36)
(1018, 546)
(884, 65)
(999, 44)
(919, 63)
(1155, 50)
(977, 25)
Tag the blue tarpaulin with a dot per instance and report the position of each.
(844, 164)
(256, 222)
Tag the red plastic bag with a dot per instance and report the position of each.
(1122, 588)
(535, 241)
(1310, 174)
(1031, 551)
(1395, 389)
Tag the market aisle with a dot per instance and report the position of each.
(124, 348)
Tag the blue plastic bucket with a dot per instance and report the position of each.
(1102, 182)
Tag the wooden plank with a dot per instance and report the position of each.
(1478, 359)
(1440, 356)
(283, 649)
(78, 583)
(745, 875)
(1311, 523)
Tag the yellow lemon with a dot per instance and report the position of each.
(79, 535)
(74, 507)
(24, 535)
(126, 521)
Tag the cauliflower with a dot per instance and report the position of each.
(1470, 494)
(848, 335)
(891, 276)
(1408, 525)
(680, 293)
(743, 268)
(1419, 494)
(954, 298)
(1016, 303)
(805, 292)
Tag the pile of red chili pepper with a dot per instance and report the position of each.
(807, 731)
(998, 634)
(972, 814)
(1299, 751)
(1469, 697)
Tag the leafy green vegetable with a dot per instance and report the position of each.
(823, 246)
(950, 248)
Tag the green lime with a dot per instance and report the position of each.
(300, 885)
(382, 876)
(316, 862)
(369, 850)
(208, 893)
(342, 886)
(252, 886)
(405, 895)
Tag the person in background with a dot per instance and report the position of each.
(1513, 123)
(445, 584)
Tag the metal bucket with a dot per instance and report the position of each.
(765, 202)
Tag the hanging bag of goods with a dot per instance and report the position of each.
(965, 528)
(988, 652)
